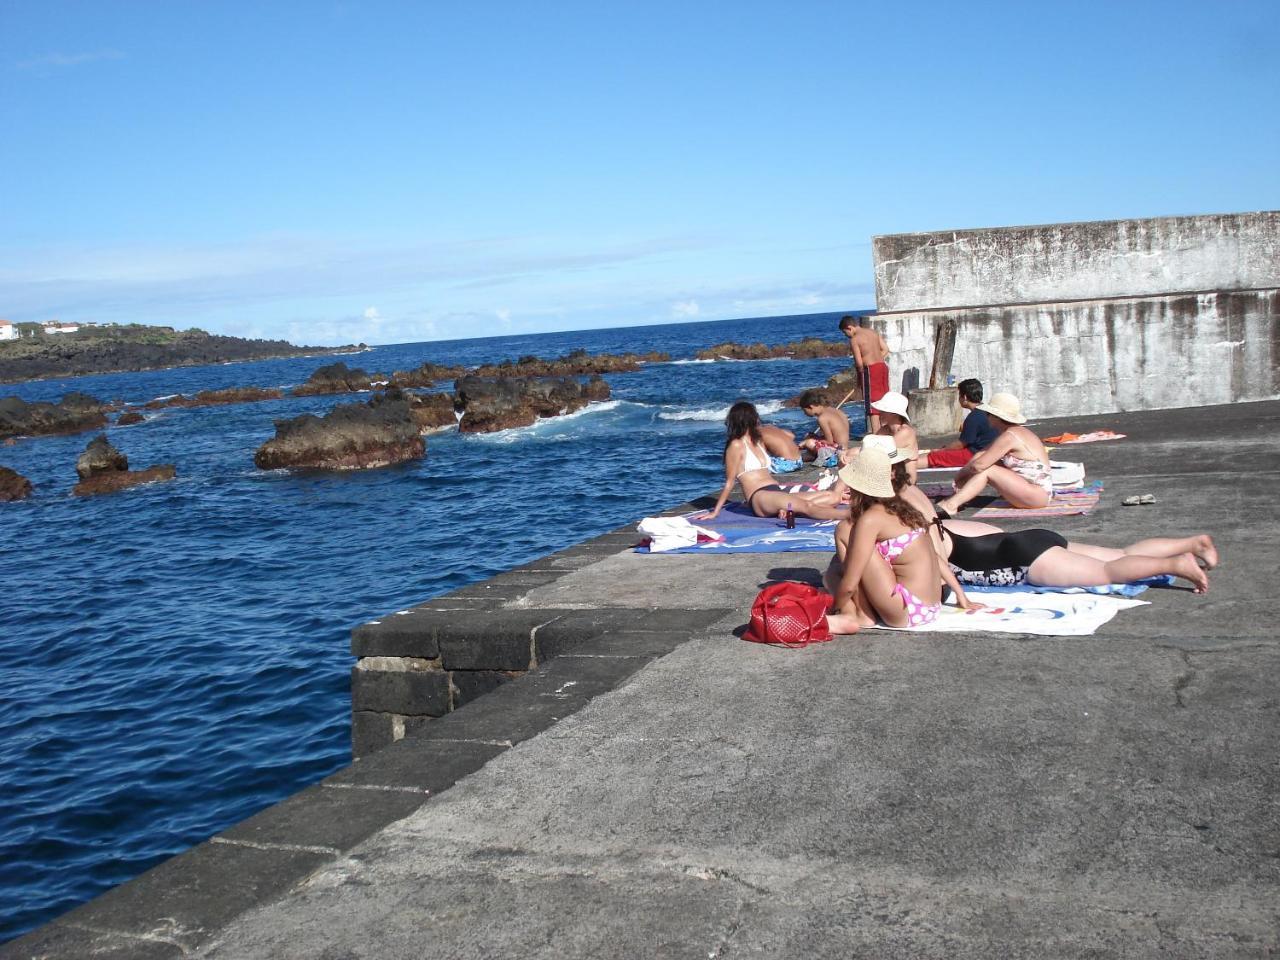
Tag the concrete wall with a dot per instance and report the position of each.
(1107, 355)
(1077, 261)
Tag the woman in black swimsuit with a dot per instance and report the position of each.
(984, 555)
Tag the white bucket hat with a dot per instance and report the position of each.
(892, 402)
(869, 473)
(885, 444)
(1005, 406)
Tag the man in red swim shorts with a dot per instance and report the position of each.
(869, 355)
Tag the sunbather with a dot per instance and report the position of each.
(746, 463)
(982, 554)
(1016, 463)
(784, 452)
(886, 565)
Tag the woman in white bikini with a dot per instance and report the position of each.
(1016, 463)
(746, 462)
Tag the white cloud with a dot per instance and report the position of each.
(371, 313)
(685, 308)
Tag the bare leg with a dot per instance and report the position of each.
(773, 503)
(1060, 567)
(1201, 545)
(1018, 490)
(877, 586)
(969, 483)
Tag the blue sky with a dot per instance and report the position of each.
(394, 172)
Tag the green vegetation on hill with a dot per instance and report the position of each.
(116, 348)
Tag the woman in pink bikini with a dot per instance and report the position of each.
(887, 564)
(1016, 463)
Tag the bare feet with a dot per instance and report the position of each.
(844, 624)
(1186, 567)
(1206, 551)
(945, 508)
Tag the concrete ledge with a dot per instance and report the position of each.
(179, 903)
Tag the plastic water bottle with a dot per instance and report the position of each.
(791, 517)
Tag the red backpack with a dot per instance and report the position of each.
(790, 615)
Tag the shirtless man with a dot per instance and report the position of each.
(869, 355)
(784, 452)
(832, 435)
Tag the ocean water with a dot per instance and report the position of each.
(176, 657)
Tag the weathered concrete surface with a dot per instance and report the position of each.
(1077, 261)
(884, 795)
(1105, 355)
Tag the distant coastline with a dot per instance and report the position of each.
(133, 348)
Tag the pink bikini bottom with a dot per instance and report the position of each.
(919, 613)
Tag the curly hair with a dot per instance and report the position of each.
(741, 421)
(859, 503)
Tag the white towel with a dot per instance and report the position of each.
(1045, 614)
(668, 533)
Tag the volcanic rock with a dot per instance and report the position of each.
(100, 457)
(210, 398)
(808, 349)
(843, 387)
(351, 436)
(426, 375)
(431, 411)
(76, 412)
(577, 363)
(334, 378)
(104, 469)
(13, 485)
(489, 405)
(128, 418)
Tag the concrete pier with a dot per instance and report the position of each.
(651, 785)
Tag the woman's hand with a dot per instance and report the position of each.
(966, 604)
(709, 515)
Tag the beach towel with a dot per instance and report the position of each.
(1094, 437)
(1065, 503)
(1112, 589)
(1066, 475)
(1025, 611)
(743, 532)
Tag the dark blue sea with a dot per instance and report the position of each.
(176, 657)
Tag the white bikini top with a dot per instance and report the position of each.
(751, 460)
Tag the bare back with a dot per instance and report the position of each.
(779, 442)
(868, 346)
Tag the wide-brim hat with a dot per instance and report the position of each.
(870, 473)
(1005, 406)
(895, 453)
(892, 402)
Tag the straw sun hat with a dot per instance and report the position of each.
(869, 473)
(1005, 406)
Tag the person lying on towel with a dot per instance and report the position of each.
(982, 554)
